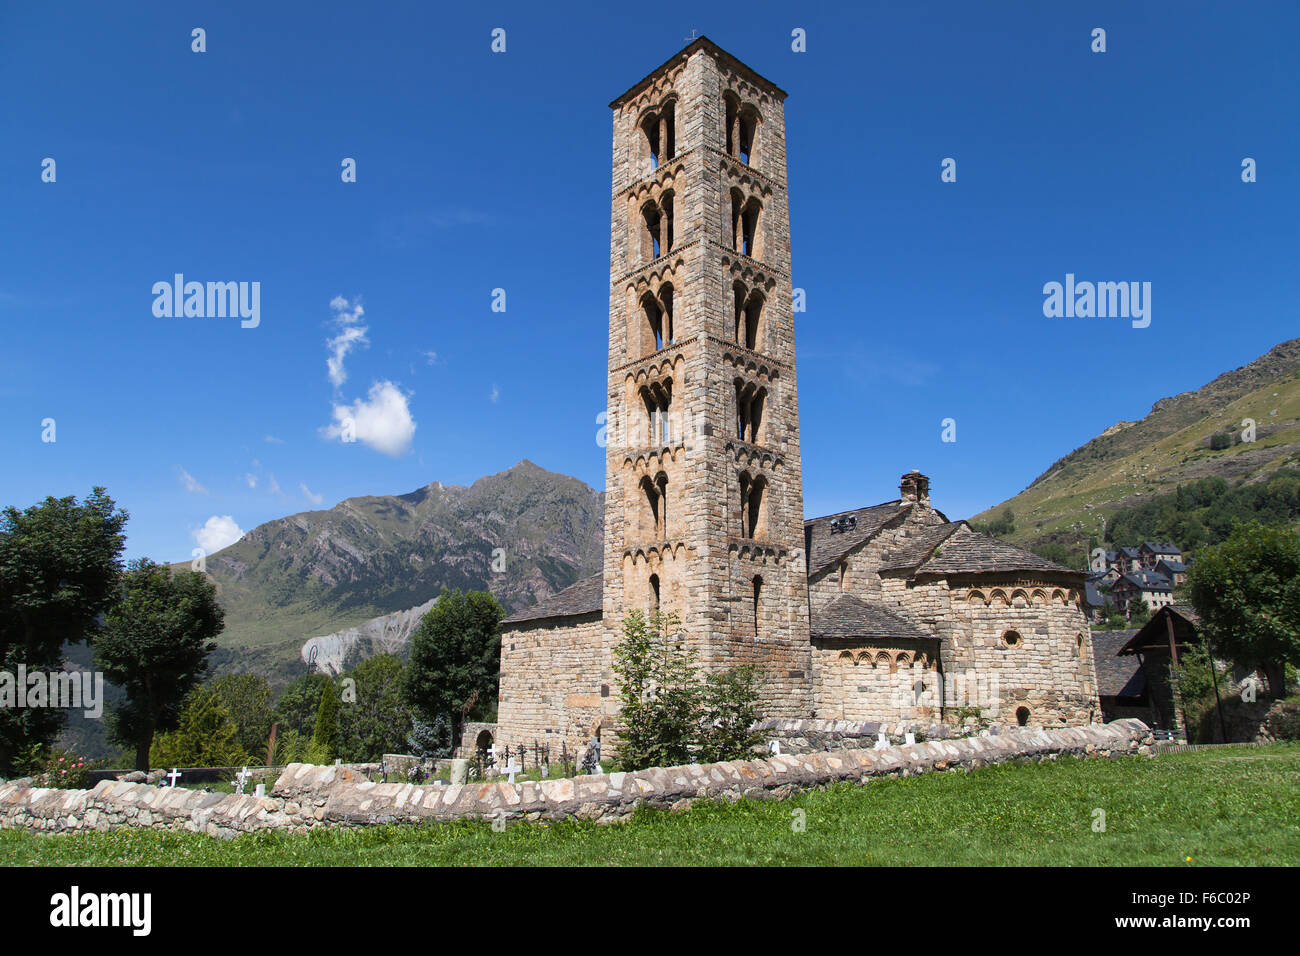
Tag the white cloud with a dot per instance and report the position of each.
(382, 420)
(430, 357)
(217, 533)
(274, 486)
(190, 482)
(307, 493)
(271, 439)
(495, 393)
(251, 479)
(351, 334)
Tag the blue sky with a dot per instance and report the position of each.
(478, 171)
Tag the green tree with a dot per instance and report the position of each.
(377, 721)
(455, 658)
(325, 738)
(155, 645)
(59, 572)
(248, 698)
(205, 736)
(659, 691)
(730, 705)
(1247, 593)
(296, 707)
(1138, 611)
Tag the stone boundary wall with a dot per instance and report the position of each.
(307, 796)
(812, 736)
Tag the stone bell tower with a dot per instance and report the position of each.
(704, 494)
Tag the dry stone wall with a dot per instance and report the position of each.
(306, 797)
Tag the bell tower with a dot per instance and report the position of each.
(703, 489)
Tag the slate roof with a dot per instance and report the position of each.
(1116, 676)
(965, 552)
(849, 616)
(1161, 547)
(585, 597)
(1171, 567)
(1093, 597)
(1154, 633)
(824, 548)
(1148, 581)
(912, 551)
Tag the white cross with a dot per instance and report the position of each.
(242, 777)
(174, 776)
(512, 768)
(881, 741)
(260, 790)
(909, 738)
(492, 753)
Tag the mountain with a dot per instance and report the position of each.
(1174, 443)
(318, 574)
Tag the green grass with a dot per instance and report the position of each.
(1231, 806)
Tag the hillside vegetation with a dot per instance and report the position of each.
(1131, 462)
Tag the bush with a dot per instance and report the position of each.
(670, 713)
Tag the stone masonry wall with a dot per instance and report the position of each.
(306, 797)
(556, 684)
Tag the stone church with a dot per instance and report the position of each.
(890, 612)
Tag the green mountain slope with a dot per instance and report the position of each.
(1131, 461)
(320, 571)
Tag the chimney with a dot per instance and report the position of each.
(915, 488)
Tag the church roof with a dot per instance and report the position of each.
(849, 616)
(584, 597)
(824, 548)
(919, 546)
(965, 552)
(700, 43)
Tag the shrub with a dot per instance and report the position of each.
(670, 713)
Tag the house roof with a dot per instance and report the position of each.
(584, 597)
(849, 616)
(1155, 632)
(1148, 581)
(1129, 552)
(1161, 547)
(1116, 676)
(1174, 567)
(824, 548)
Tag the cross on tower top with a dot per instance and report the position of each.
(692, 38)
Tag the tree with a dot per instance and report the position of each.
(1247, 593)
(659, 691)
(296, 707)
(155, 645)
(455, 658)
(325, 738)
(248, 698)
(730, 710)
(59, 572)
(1139, 612)
(205, 736)
(377, 721)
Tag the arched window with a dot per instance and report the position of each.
(650, 127)
(753, 328)
(654, 593)
(749, 228)
(1022, 716)
(650, 240)
(1011, 638)
(750, 401)
(747, 123)
(668, 130)
(844, 573)
(658, 399)
(753, 523)
(758, 604)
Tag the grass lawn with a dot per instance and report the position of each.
(1232, 806)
